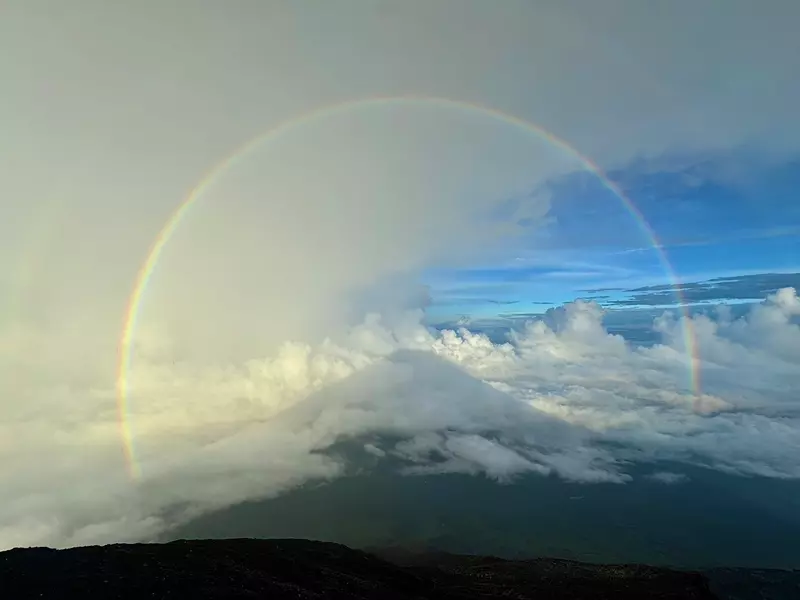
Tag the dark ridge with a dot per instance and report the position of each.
(302, 569)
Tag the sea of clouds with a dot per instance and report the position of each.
(561, 397)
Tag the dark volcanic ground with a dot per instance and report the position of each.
(279, 569)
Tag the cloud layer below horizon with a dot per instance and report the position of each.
(563, 397)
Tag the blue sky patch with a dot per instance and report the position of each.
(729, 226)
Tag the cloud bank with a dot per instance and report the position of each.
(562, 397)
(720, 289)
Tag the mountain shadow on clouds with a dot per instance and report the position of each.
(447, 421)
(438, 460)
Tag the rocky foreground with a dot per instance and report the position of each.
(301, 569)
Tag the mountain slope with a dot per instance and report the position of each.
(282, 569)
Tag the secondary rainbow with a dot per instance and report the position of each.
(162, 239)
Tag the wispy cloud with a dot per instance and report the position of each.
(471, 301)
(718, 289)
(772, 232)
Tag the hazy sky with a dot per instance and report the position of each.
(114, 112)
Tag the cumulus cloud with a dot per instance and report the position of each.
(562, 398)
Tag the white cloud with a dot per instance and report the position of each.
(374, 450)
(547, 403)
(668, 478)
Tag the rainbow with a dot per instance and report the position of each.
(162, 239)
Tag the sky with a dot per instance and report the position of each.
(211, 217)
(710, 225)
